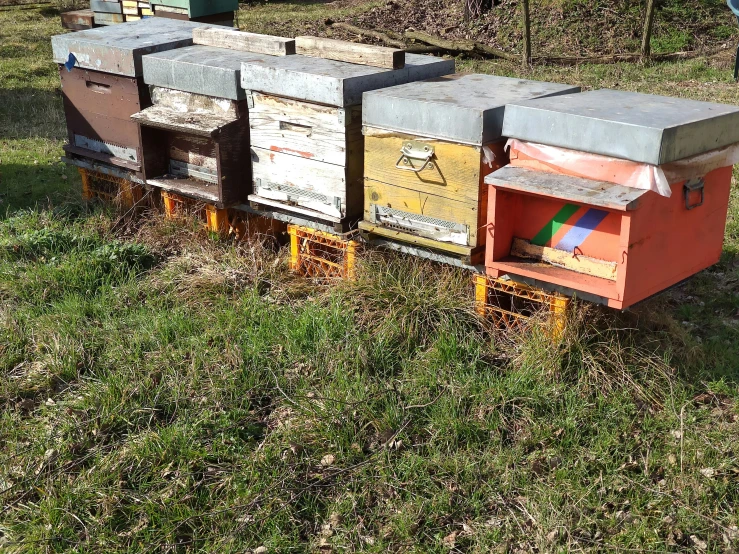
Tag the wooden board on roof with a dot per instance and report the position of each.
(243, 41)
(566, 187)
(344, 51)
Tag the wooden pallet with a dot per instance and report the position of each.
(511, 304)
(322, 255)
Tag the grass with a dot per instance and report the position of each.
(164, 392)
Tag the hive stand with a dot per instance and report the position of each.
(120, 192)
(512, 304)
(320, 255)
(227, 223)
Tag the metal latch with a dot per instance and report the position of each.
(696, 185)
(415, 150)
(250, 101)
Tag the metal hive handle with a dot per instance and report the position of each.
(415, 150)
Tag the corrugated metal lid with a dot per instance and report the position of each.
(118, 48)
(333, 82)
(629, 125)
(464, 108)
(200, 69)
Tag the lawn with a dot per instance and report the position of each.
(163, 391)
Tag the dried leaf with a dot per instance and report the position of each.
(328, 460)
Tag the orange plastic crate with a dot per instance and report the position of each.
(322, 255)
(512, 305)
(113, 190)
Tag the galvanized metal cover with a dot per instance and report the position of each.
(639, 127)
(333, 82)
(118, 48)
(200, 69)
(462, 108)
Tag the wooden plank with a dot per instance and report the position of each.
(341, 50)
(566, 187)
(320, 178)
(108, 18)
(307, 130)
(243, 41)
(203, 125)
(581, 264)
(419, 202)
(133, 10)
(456, 249)
(262, 202)
(193, 150)
(187, 187)
(181, 101)
(456, 172)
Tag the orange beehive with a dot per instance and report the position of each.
(577, 222)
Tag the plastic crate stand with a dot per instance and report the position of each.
(214, 219)
(113, 190)
(322, 255)
(511, 304)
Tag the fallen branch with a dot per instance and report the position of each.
(468, 46)
(370, 33)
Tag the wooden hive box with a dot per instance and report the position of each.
(306, 140)
(197, 132)
(428, 147)
(78, 20)
(550, 222)
(105, 86)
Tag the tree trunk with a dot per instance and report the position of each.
(647, 35)
(526, 34)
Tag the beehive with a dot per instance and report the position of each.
(196, 8)
(428, 147)
(581, 225)
(197, 131)
(305, 119)
(104, 86)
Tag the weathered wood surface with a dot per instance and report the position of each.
(187, 187)
(108, 18)
(190, 102)
(565, 187)
(106, 7)
(170, 9)
(78, 20)
(197, 151)
(260, 203)
(455, 249)
(243, 41)
(352, 52)
(455, 171)
(275, 169)
(423, 203)
(133, 10)
(203, 125)
(581, 264)
(304, 129)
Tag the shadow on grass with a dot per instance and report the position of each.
(24, 186)
(31, 113)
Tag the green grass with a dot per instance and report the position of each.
(165, 392)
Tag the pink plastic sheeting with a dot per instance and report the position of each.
(618, 171)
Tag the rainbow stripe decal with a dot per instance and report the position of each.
(580, 230)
